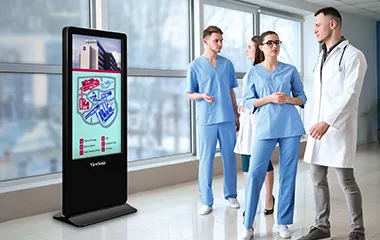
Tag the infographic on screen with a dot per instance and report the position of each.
(96, 96)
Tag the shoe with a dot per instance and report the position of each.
(284, 232)
(316, 234)
(246, 234)
(233, 203)
(270, 211)
(204, 210)
(356, 236)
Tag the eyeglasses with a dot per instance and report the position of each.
(270, 43)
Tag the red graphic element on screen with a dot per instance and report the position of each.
(103, 138)
(81, 147)
(88, 85)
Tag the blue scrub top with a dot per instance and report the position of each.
(275, 120)
(216, 81)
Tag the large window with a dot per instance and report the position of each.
(289, 32)
(30, 86)
(161, 44)
(30, 31)
(158, 49)
(158, 117)
(30, 125)
(158, 31)
(237, 27)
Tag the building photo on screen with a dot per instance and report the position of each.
(96, 96)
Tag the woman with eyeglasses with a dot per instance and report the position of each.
(273, 89)
(245, 136)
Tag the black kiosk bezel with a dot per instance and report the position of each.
(94, 189)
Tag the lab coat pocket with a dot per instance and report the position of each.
(337, 128)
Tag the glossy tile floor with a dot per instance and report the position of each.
(171, 213)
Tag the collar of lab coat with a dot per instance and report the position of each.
(340, 44)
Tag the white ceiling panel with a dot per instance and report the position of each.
(358, 1)
(348, 8)
(368, 5)
(364, 8)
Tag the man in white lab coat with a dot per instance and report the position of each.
(338, 79)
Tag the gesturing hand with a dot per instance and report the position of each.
(208, 98)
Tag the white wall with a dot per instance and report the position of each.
(366, 42)
(310, 54)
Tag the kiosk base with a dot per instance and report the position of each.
(89, 218)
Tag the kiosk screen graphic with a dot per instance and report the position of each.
(96, 129)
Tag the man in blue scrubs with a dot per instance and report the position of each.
(211, 79)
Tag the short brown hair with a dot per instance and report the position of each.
(332, 12)
(210, 30)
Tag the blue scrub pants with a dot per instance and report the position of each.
(207, 138)
(258, 166)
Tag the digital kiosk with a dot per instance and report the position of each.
(94, 141)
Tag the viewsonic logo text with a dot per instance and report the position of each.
(96, 164)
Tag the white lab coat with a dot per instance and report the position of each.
(246, 134)
(335, 102)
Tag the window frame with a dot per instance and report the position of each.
(195, 19)
(101, 23)
(43, 68)
(292, 17)
(237, 6)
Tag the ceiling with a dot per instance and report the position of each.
(364, 8)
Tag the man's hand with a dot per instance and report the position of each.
(278, 97)
(237, 122)
(318, 130)
(208, 98)
(241, 108)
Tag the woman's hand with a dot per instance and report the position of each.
(278, 98)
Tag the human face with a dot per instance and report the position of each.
(323, 28)
(251, 50)
(214, 42)
(269, 46)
